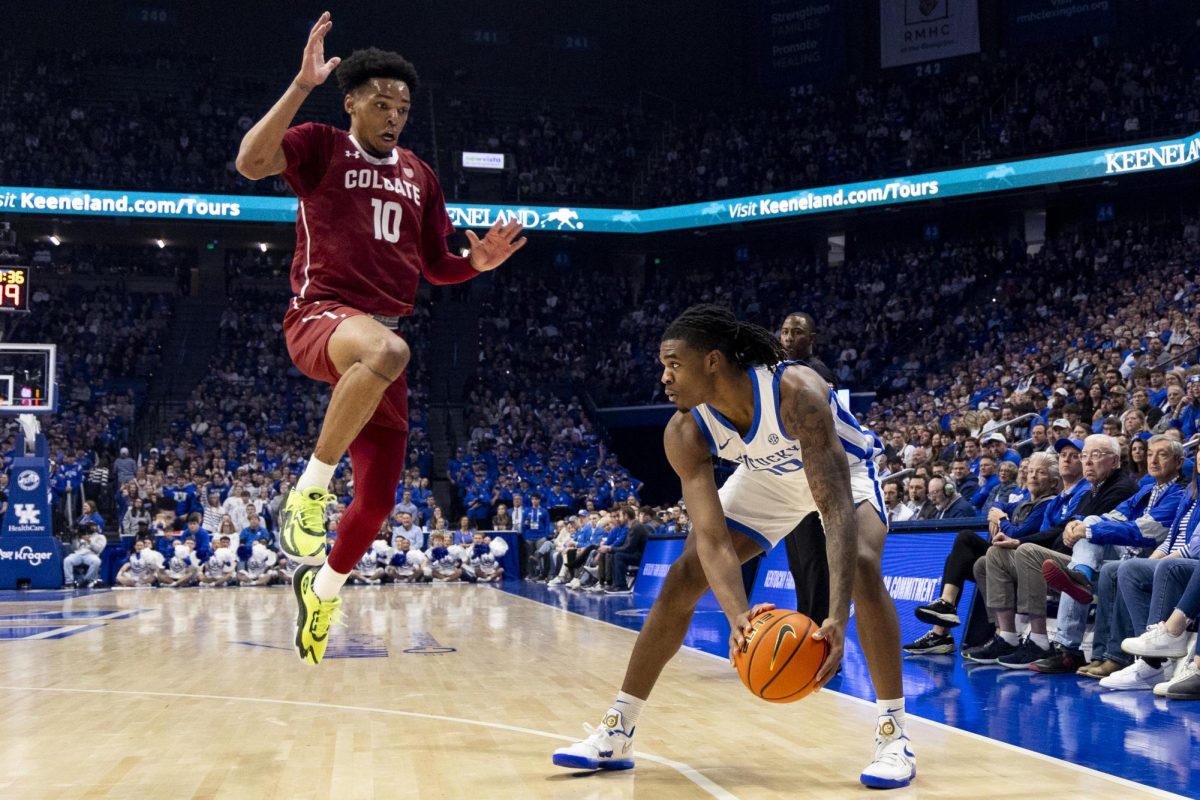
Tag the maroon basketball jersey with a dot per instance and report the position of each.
(367, 227)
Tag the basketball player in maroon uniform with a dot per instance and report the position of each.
(371, 222)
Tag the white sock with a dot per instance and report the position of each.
(329, 582)
(317, 475)
(894, 709)
(630, 708)
(1041, 640)
(1008, 636)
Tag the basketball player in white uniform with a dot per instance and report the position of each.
(798, 451)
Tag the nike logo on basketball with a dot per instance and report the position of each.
(784, 631)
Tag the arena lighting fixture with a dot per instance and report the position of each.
(262, 246)
(54, 240)
(161, 244)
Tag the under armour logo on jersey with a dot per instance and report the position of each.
(352, 154)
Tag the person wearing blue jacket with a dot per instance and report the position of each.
(1075, 487)
(1146, 592)
(1005, 526)
(1140, 522)
(988, 480)
(1015, 580)
(996, 445)
(1099, 543)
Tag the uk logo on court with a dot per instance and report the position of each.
(28, 480)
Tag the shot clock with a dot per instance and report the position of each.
(14, 288)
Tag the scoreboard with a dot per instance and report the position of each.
(14, 288)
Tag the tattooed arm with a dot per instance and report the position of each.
(807, 418)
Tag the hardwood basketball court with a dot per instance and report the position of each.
(454, 691)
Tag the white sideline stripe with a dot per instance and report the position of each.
(683, 769)
(909, 715)
(53, 632)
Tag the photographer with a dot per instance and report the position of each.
(89, 544)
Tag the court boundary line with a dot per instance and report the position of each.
(1125, 782)
(695, 776)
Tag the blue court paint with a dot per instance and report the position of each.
(42, 631)
(90, 613)
(425, 645)
(1133, 735)
(350, 646)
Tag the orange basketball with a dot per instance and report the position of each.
(781, 659)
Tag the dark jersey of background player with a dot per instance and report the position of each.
(805, 545)
(797, 335)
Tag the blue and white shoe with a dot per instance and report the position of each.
(895, 764)
(608, 746)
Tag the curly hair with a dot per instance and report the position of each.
(712, 327)
(362, 65)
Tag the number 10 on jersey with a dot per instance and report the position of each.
(387, 219)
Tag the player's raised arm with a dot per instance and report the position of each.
(261, 153)
(689, 456)
(804, 401)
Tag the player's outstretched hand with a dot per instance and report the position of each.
(496, 246)
(741, 627)
(314, 69)
(832, 631)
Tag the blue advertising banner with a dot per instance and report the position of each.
(36, 559)
(912, 572)
(1034, 21)
(1088, 165)
(657, 558)
(803, 42)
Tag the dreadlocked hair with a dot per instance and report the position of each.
(712, 327)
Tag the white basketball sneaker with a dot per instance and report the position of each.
(609, 746)
(895, 764)
(1185, 670)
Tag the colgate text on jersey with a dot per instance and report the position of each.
(370, 179)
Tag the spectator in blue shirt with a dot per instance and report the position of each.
(254, 531)
(536, 524)
(996, 445)
(202, 537)
(90, 516)
(560, 502)
(988, 480)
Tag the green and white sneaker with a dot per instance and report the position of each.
(314, 616)
(302, 525)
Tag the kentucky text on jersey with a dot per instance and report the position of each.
(766, 447)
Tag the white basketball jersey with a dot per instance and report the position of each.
(767, 449)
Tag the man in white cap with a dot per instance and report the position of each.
(996, 446)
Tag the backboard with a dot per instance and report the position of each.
(27, 376)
